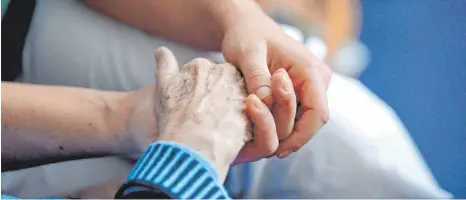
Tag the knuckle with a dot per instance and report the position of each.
(270, 149)
(257, 75)
(197, 64)
(283, 135)
(248, 49)
(286, 101)
(256, 72)
(191, 67)
(201, 61)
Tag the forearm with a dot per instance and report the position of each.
(172, 170)
(46, 122)
(200, 23)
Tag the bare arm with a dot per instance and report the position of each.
(200, 23)
(53, 123)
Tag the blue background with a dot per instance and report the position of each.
(419, 68)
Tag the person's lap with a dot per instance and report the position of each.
(69, 44)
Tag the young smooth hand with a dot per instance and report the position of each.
(259, 47)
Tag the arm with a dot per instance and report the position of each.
(200, 23)
(182, 173)
(53, 123)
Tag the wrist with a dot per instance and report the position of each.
(229, 13)
(136, 111)
(215, 150)
(118, 108)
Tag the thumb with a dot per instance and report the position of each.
(166, 66)
(256, 73)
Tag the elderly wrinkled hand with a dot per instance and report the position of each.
(202, 106)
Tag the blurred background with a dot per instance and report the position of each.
(412, 54)
(418, 66)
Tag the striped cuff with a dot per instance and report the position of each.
(175, 170)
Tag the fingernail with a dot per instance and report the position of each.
(284, 154)
(258, 103)
(263, 92)
(285, 83)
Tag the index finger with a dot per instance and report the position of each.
(314, 111)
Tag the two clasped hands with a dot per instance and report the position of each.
(205, 106)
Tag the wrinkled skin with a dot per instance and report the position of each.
(202, 106)
(214, 96)
(205, 106)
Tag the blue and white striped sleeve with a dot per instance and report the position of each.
(173, 170)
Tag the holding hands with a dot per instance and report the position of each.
(202, 106)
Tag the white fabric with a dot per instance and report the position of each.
(363, 152)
